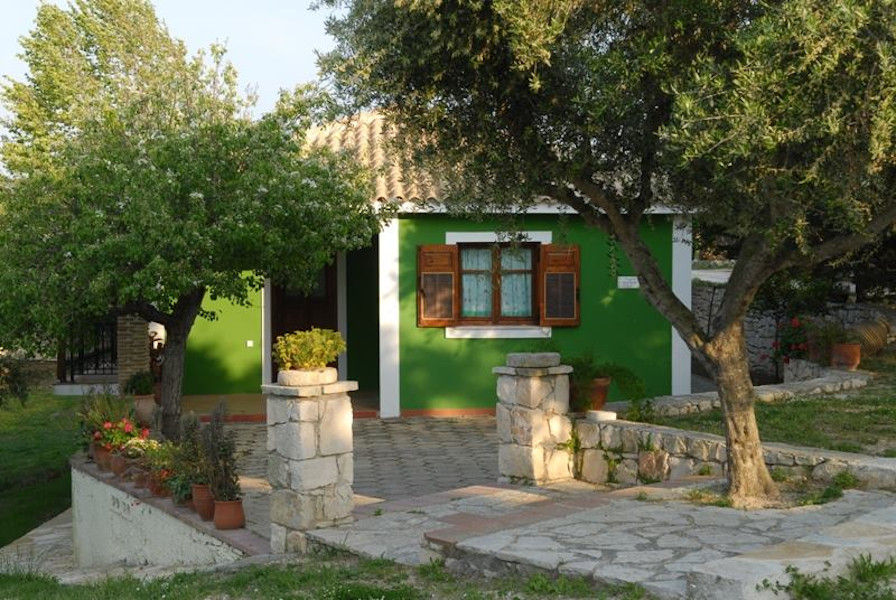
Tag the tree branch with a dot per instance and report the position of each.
(145, 310)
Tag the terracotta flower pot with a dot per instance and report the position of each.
(157, 487)
(144, 406)
(141, 478)
(203, 503)
(597, 392)
(229, 514)
(847, 356)
(102, 457)
(118, 463)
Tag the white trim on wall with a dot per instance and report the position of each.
(341, 313)
(267, 367)
(488, 237)
(390, 400)
(682, 249)
(469, 332)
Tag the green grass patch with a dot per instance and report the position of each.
(864, 421)
(319, 577)
(36, 441)
(865, 579)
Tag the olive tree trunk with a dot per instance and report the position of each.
(750, 483)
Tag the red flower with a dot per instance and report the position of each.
(144, 433)
(97, 435)
(795, 322)
(107, 425)
(128, 427)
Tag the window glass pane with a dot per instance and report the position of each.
(477, 295)
(516, 295)
(476, 259)
(516, 259)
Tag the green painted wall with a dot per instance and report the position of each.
(617, 325)
(363, 318)
(217, 359)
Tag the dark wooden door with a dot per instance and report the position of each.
(291, 311)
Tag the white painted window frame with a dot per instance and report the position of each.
(468, 332)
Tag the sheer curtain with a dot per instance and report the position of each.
(516, 288)
(477, 287)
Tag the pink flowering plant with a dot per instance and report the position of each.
(792, 342)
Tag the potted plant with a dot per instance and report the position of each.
(590, 383)
(846, 350)
(220, 452)
(134, 452)
(97, 416)
(159, 461)
(190, 485)
(303, 356)
(140, 386)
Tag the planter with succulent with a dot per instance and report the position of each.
(303, 356)
(140, 386)
(590, 383)
(220, 457)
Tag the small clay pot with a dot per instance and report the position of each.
(597, 392)
(144, 406)
(229, 514)
(118, 463)
(157, 487)
(203, 503)
(102, 457)
(846, 356)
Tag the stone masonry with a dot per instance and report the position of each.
(534, 430)
(132, 340)
(310, 460)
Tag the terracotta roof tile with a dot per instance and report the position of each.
(366, 136)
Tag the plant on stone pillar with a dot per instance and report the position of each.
(303, 356)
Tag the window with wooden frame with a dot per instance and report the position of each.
(498, 284)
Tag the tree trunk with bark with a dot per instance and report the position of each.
(750, 484)
(177, 330)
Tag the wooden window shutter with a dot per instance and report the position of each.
(437, 288)
(559, 285)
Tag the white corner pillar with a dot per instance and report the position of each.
(682, 255)
(310, 460)
(390, 395)
(531, 415)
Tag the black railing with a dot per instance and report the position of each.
(91, 351)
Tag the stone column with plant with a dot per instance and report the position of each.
(310, 459)
(534, 431)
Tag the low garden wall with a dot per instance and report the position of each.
(628, 453)
(116, 523)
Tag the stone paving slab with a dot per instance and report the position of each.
(606, 536)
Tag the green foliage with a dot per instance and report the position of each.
(190, 461)
(585, 368)
(828, 494)
(846, 480)
(778, 474)
(864, 579)
(139, 384)
(312, 349)
(219, 448)
(792, 342)
(98, 409)
(13, 379)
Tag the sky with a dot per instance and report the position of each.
(271, 42)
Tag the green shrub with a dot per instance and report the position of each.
(219, 448)
(13, 379)
(585, 368)
(846, 480)
(139, 384)
(308, 349)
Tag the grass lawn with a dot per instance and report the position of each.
(36, 441)
(327, 577)
(857, 421)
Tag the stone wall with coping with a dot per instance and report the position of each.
(310, 460)
(625, 452)
(532, 421)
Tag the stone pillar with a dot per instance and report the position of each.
(310, 460)
(534, 431)
(132, 344)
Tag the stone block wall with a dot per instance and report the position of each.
(132, 341)
(627, 453)
(534, 430)
(310, 460)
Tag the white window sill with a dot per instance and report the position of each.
(468, 332)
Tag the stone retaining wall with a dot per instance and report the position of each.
(627, 453)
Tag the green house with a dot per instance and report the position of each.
(436, 301)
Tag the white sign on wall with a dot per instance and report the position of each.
(627, 282)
